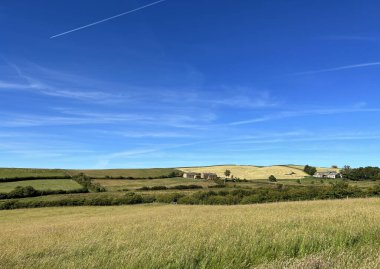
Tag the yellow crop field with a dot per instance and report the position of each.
(251, 172)
(313, 234)
(319, 169)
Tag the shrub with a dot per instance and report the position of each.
(29, 191)
(310, 170)
(158, 188)
(86, 182)
(186, 187)
(272, 178)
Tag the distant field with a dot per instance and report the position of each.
(240, 171)
(120, 184)
(44, 184)
(31, 172)
(250, 172)
(136, 173)
(314, 234)
(319, 169)
(101, 173)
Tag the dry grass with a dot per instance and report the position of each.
(319, 169)
(250, 172)
(317, 234)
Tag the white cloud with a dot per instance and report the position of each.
(303, 113)
(339, 68)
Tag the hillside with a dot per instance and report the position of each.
(314, 234)
(251, 172)
(95, 173)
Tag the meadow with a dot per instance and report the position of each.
(313, 234)
(122, 184)
(125, 173)
(7, 173)
(24, 173)
(43, 184)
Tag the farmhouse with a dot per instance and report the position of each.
(327, 174)
(192, 175)
(207, 176)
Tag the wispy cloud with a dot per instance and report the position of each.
(339, 68)
(107, 19)
(304, 113)
(56, 87)
(257, 99)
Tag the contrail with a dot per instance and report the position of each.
(107, 19)
(353, 66)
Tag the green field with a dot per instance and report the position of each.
(135, 173)
(316, 234)
(43, 184)
(31, 172)
(96, 173)
(122, 184)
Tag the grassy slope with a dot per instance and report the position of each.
(318, 234)
(136, 173)
(240, 171)
(319, 169)
(31, 172)
(251, 172)
(45, 184)
(120, 184)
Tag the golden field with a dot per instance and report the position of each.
(313, 234)
(251, 172)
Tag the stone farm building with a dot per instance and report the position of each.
(193, 175)
(327, 174)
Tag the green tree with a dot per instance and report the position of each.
(310, 170)
(227, 173)
(272, 178)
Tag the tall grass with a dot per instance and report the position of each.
(317, 234)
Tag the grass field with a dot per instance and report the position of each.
(319, 169)
(31, 172)
(121, 184)
(97, 173)
(250, 172)
(240, 171)
(136, 173)
(317, 234)
(44, 184)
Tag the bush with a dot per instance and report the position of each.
(272, 178)
(168, 197)
(310, 170)
(186, 187)
(29, 191)
(86, 182)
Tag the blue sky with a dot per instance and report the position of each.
(184, 83)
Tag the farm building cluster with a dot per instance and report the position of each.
(207, 176)
(327, 174)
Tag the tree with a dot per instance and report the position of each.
(310, 170)
(272, 178)
(227, 173)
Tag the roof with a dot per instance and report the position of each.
(328, 173)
